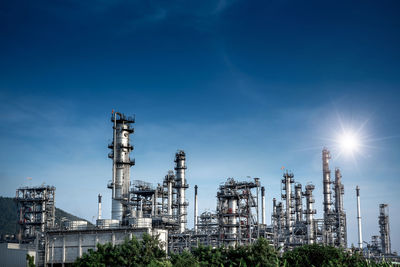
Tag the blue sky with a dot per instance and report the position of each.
(243, 87)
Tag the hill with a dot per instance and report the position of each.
(8, 216)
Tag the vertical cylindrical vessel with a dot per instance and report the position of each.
(309, 213)
(341, 228)
(232, 205)
(298, 203)
(195, 208)
(287, 181)
(169, 180)
(338, 190)
(180, 168)
(99, 207)
(328, 220)
(326, 180)
(360, 241)
(121, 149)
(274, 215)
(263, 205)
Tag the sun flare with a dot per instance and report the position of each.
(349, 143)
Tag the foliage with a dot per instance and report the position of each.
(148, 253)
(318, 255)
(31, 260)
(261, 253)
(133, 252)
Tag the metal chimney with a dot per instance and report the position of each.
(360, 241)
(263, 205)
(195, 208)
(99, 208)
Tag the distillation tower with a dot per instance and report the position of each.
(328, 220)
(288, 196)
(309, 212)
(335, 229)
(340, 219)
(384, 228)
(380, 246)
(181, 186)
(120, 150)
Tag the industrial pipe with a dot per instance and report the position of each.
(360, 242)
(99, 208)
(195, 209)
(263, 205)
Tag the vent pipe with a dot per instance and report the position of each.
(263, 205)
(99, 208)
(195, 209)
(360, 241)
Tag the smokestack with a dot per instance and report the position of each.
(195, 209)
(99, 208)
(274, 214)
(263, 205)
(360, 241)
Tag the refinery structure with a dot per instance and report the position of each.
(239, 218)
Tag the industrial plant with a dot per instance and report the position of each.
(160, 210)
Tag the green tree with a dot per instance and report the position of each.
(184, 259)
(147, 252)
(31, 260)
(319, 255)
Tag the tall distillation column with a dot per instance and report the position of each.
(341, 228)
(309, 213)
(121, 149)
(287, 187)
(384, 228)
(360, 241)
(327, 196)
(298, 202)
(263, 205)
(181, 186)
(169, 181)
(274, 221)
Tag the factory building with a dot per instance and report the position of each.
(139, 207)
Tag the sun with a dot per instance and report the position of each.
(349, 142)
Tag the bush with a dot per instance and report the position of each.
(318, 255)
(146, 252)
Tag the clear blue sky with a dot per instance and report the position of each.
(244, 87)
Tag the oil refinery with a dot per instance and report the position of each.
(161, 210)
